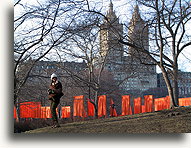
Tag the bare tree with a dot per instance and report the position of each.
(168, 22)
(38, 29)
(77, 37)
(84, 45)
(39, 34)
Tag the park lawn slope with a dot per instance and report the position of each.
(176, 120)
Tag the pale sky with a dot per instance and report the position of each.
(123, 9)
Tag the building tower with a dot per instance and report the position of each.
(128, 71)
(138, 33)
(110, 32)
(144, 68)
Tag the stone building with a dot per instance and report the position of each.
(184, 83)
(134, 71)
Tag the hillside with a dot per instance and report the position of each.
(176, 120)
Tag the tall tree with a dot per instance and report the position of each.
(84, 45)
(51, 28)
(168, 22)
(38, 29)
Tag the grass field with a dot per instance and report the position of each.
(176, 120)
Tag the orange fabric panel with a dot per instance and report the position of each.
(143, 108)
(126, 108)
(37, 110)
(102, 106)
(161, 103)
(167, 101)
(66, 112)
(45, 112)
(156, 104)
(91, 109)
(25, 111)
(78, 106)
(14, 112)
(137, 105)
(30, 109)
(113, 112)
(184, 101)
(148, 103)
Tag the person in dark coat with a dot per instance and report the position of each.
(54, 95)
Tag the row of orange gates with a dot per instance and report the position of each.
(35, 110)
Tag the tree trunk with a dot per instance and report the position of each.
(17, 106)
(96, 104)
(175, 85)
(89, 89)
(169, 87)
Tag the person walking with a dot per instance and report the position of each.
(54, 95)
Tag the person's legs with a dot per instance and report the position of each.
(53, 107)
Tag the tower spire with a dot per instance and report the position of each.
(111, 13)
(110, 7)
(136, 13)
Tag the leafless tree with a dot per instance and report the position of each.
(45, 29)
(84, 45)
(168, 23)
(38, 29)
